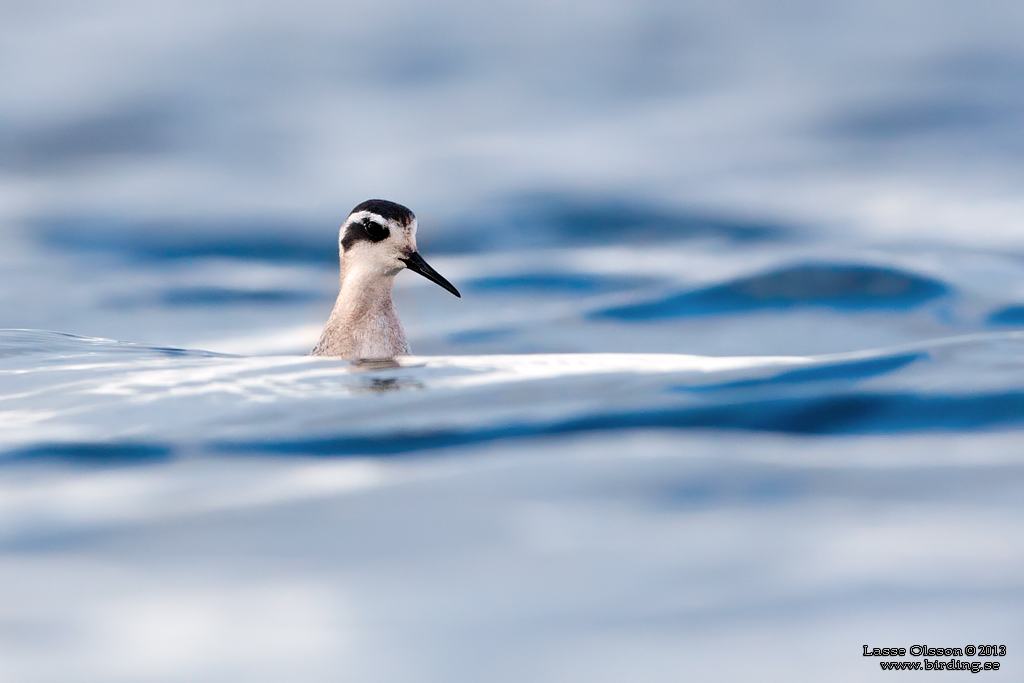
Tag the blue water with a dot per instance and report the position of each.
(734, 388)
(597, 456)
(575, 459)
(855, 287)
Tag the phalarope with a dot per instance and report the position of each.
(376, 242)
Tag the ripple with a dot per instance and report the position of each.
(824, 285)
(847, 414)
(857, 369)
(100, 453)
(545, 283)
(186, 297)
(1011, 315)
(63, 345)
(54, 405)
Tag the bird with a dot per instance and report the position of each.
(376, 242)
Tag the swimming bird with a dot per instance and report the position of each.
(376, 242)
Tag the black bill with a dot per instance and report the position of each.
(416, 264)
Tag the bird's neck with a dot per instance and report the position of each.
(364, 322)
(364, 291)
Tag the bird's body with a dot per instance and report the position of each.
(376, 242)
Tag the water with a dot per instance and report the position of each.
(735, 386)
(601, 499)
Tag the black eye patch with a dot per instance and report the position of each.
(366, 230)
(375, 231)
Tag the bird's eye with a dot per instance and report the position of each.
(375, 231)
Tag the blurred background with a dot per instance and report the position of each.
(211, 150)
(740, 178)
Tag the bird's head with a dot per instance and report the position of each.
(379, 237)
